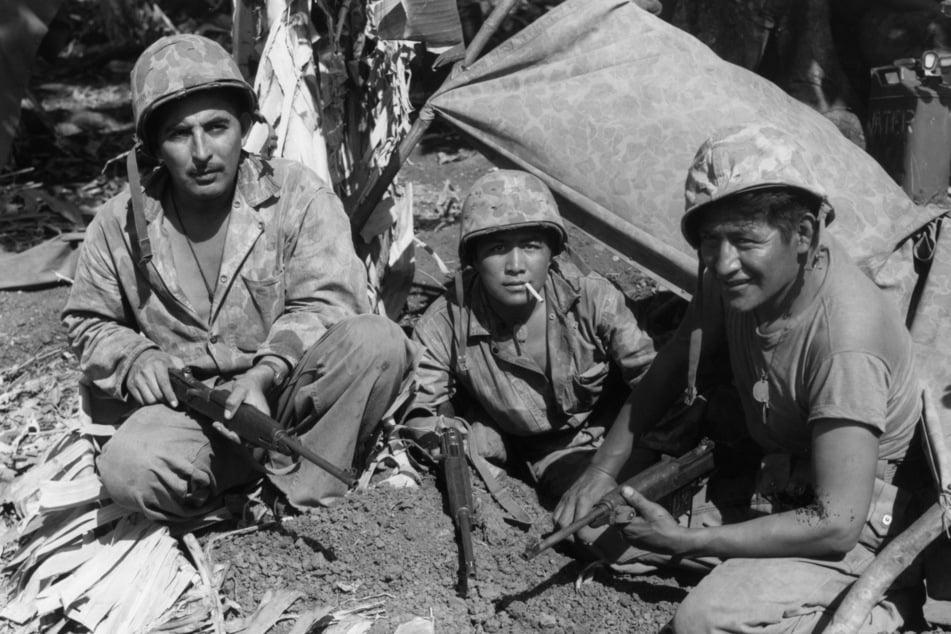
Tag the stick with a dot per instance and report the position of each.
(14, 174)
(488, 29)
(888, 564)
(35, 359)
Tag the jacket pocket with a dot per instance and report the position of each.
(265, 304)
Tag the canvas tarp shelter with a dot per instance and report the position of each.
(608, 105)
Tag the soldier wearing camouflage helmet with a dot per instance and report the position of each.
(822, 366)
(526, 352)
(509, 199)
(175, 66)
(232, 265)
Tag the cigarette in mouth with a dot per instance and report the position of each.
(534, 293)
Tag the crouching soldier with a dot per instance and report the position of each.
(240, 268)
(531, 355)
(823, 367)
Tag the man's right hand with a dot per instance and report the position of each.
(148, 381)
(424, 430)
(580, 498)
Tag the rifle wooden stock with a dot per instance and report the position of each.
(459, 494)
(248, 422)
(655, 482)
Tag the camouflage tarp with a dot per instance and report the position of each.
(608, 105)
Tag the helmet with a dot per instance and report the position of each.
(742, 159)
(508, 199)
(175, 66)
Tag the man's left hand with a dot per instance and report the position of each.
(647, 524)
(248, 388)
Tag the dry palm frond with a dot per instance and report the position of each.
(86, 561)
(273, 605)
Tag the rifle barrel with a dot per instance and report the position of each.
(283, 441)
(598, 512)
(465, 538)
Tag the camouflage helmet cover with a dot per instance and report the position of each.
(175, 66)
(742, 159)
(504, 200)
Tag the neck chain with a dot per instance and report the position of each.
(211, 284)
(761, 387)
(761, 392)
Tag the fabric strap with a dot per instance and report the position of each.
(696, 340)
(500, 494)
(459, 328)
(138, 209)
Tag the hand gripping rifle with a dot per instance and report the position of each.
(250, 423)
(655, 482)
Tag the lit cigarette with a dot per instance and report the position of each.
(534, 293)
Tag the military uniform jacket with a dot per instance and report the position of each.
(288, 273)
(590, 328)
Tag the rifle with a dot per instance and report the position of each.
(655, 482)
(250, 423)
(459, 494)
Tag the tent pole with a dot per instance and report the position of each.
(376, 188)
(487, 30)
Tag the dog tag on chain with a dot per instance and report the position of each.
(761, 396)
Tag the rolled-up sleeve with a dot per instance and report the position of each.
(629, 346)
(434, 377)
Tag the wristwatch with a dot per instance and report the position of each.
(277, 366)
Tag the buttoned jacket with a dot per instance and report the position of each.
(590, 328)
(288, 273)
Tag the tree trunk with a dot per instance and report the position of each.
(120, 20)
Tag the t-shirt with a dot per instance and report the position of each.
(848, 356)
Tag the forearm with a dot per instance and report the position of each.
(801, 532)
(106, 350)
(843, 464)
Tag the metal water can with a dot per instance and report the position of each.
(909, 125)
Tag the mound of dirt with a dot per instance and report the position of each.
(399, 546)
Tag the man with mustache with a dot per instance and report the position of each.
(240, 268)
